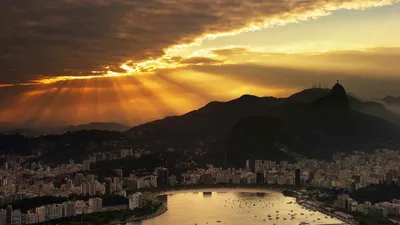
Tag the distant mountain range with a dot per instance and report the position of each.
(391, 100)
(111, 126)
(314, 123)
(368, 107)
(8, 128)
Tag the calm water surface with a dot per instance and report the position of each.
(234, 207)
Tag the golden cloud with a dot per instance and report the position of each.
(53, 40)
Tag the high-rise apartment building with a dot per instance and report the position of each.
(95, 204)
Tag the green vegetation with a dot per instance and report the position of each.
(327, 200)
(59, 148)
(14, 144)
(30, 203)
(75, 145)
(289, 193)
(377, 193)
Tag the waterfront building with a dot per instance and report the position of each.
(108, 183)
(251, 178)
(162, 177)
(131, 184)
(297, 177)
(248, 168)
(207, 179)
(30, 218)
(140, 183)
(258, 166)
(135, 201)
(260, 179)
(221, 178)
(236, 179)
(95, 205)
(9, 210)
(3, 217)
(68, 209)
(16, 217)
(154, 181)
(172, 180)
(41, 213)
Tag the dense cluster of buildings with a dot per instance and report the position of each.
(351, 171)
(381, 209)
(9, 216)
(263, 172)
(45, 213)
(348, 171)
(117, 154)
(136, 201)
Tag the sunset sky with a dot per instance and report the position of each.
(132, 61)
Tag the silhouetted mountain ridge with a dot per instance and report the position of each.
(322, 122)
(391, 100)
(112, 126)
(370, 107)
(35, 131)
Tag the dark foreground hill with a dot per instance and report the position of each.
(253, 127)
(312, 123)
(391, 100)
(319, 128)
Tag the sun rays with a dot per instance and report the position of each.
(142, 70)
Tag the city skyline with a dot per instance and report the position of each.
(132, 62)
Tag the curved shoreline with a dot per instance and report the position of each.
(159, 212)
(220, 189)
(251, 188)
(273, 190)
